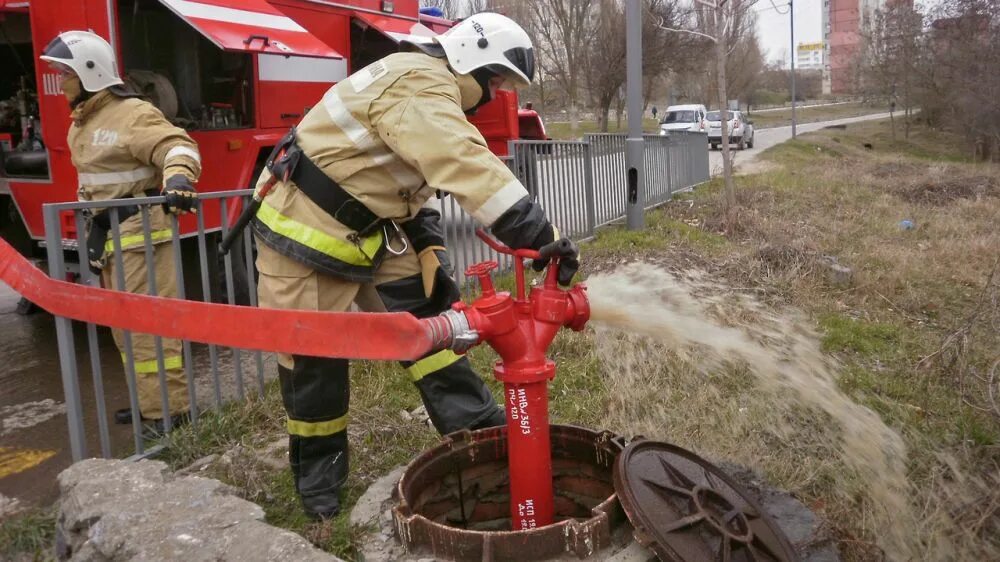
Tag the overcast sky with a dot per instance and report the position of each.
(772, 27)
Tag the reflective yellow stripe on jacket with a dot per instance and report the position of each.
(138, 239)
(318, 240)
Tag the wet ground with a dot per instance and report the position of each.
(33, 435)
(34, 443)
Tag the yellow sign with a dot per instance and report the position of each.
(810, 46)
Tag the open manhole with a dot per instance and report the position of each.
(453, 502)
(454, 499)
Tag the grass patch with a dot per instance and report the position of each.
(858, 336)
(563, 131)
(28, 535)
(661, 231)
(783, 118)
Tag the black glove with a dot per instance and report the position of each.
(180, 196)
(567, 252)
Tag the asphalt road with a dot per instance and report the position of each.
(766, 138)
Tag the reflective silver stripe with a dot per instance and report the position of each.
(397, 168)
(281, 68)
(365, 140)
(351, 127)
(183, 151)
(420, 37)
(499, 203)
(109, 178)
(250, 18)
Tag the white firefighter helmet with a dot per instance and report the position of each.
(88, 55)
(493, 42)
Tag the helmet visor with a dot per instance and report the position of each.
(523, 59)
(58, 49)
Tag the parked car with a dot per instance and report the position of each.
(684, 118)
(740, 129)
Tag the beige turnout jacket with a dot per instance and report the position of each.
(123, 147)
(391, 135)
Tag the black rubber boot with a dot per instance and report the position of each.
(316, 396)
(124, 416)
(155, 428)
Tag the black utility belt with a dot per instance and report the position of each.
(288, 161)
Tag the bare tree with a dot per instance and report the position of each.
(562, 31)
(662, 52)
(890, 57)
(726, 23)
(962, 83)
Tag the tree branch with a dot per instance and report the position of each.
(697, 33)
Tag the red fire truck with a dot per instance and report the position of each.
(235, 73)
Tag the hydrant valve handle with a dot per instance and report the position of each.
(502, 249)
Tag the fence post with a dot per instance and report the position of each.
(64, 336)
(670, 167)
(589, 188)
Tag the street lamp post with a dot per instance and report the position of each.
(635, 179)
(791, 11)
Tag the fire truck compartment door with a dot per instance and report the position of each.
(249, 26)
(396, 29)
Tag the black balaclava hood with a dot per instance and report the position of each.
(482, 77)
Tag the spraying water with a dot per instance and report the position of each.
(782, 397)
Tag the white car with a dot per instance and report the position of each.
(684, 118)
(740, 129)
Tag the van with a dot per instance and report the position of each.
(689, 117)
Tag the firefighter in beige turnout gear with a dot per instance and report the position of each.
(123, 147)
(346, 222)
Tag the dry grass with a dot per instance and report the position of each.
(917, 331)
(783, 118)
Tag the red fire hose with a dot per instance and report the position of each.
(519, 328)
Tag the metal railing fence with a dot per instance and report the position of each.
(580, 184)
(225, 375)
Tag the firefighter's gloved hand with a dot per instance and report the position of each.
(568, 254)
(180, 195)
(97, 265)
(97, 237)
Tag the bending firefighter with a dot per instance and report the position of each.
(345, 222)
(123, 147)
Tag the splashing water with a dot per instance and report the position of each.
(783, 397)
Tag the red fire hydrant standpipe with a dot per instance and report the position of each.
(520, 330)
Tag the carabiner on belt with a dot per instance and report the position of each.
(388, 239)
